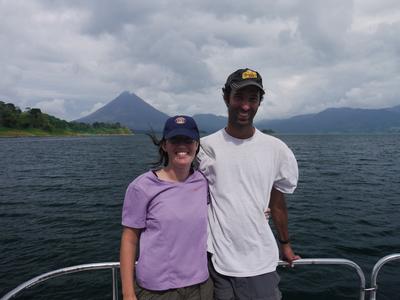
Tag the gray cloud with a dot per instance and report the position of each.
(176, 55)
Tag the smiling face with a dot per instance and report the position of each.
(181, 151)
(242, 106)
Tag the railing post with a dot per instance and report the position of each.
(376, 269)
(114, 283)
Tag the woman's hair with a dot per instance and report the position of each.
(162, 155)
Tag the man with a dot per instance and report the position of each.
(247, 171)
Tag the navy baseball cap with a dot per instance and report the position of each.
(244, 77)
(181, 125)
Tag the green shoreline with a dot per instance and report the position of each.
(33, 132)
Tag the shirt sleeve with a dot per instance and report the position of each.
(288, 172)
(134, 211)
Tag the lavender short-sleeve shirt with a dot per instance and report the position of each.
(173, 242)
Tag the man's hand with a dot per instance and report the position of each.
(267, 213)
(288, 254)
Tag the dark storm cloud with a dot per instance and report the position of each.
(73, 56)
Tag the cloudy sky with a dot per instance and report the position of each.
(71, 57)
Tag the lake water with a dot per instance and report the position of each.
(61, 199)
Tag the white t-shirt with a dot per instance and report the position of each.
(241, 174)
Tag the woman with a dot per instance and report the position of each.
(166, 209)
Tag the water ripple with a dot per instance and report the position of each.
(61, 199)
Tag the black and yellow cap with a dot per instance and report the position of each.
(244, 77)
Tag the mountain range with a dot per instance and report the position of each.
(133, 112)
(339, 120)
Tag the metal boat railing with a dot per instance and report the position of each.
(332, 261)
(115, 265)
(60, 272)
(376, 269)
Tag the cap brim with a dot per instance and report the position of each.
(236, 86)
(183, 132)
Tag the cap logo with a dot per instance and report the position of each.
(180, 120)
(249, 74)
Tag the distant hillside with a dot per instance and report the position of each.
(395, 108)
(339, 120)
(332, 120)
(32, 122)
(209, 122)
(129, 110)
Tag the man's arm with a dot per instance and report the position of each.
(279, 216)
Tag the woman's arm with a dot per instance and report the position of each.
(129, 241)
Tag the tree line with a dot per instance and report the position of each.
(12, 116)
